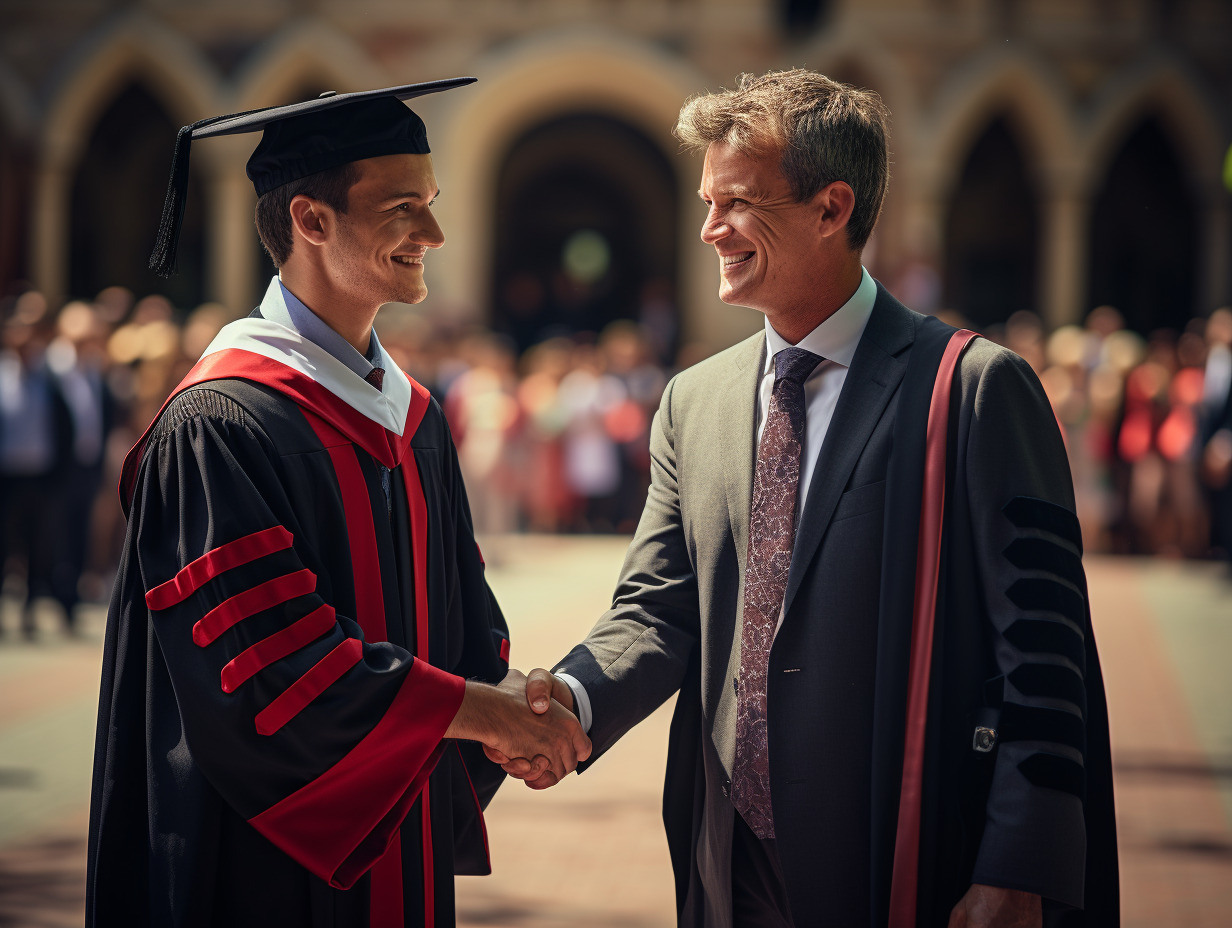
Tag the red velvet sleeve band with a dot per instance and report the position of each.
(277, 646)
(320, 677)
(243, 605)
(339, 824)
(196, 574)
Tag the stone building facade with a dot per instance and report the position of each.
(1048, 155)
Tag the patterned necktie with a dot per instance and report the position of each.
(772, 533)
(376, 377)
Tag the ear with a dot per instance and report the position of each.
(311, 219)
(834, 203)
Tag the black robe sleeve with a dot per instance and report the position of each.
(1016, 496)
(319, 739)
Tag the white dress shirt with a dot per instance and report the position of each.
(835, 340)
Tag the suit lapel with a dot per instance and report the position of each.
(875, 373)
(737, 439)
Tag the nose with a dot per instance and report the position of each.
(714, 228)
(429, 234)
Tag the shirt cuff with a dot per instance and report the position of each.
(581, 702)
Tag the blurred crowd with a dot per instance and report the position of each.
(554, 439)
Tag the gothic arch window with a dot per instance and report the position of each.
(992, 232)
(585, 231)
(116, 201)
(1144, 235)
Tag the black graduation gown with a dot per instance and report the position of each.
(288, 640)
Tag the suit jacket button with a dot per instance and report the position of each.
(727, 789)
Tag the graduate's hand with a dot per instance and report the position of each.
(543, 691)
(993, 907)
(533, 745)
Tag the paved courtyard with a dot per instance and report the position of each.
(591, 851)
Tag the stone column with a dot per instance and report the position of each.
(1064, 252)
(49, 229)
(230, 235)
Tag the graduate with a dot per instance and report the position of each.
(302, 653)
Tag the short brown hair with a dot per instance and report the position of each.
(274, 207)
(824, 131)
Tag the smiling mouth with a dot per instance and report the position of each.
(739, 258)
(409, 260)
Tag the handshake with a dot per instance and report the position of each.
(525, 724)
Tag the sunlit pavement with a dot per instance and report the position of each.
(591, 851)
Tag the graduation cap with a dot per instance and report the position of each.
(301, 139)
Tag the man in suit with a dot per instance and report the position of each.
(772, 576)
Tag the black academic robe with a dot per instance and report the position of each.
(299, 603)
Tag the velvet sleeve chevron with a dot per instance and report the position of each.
(1028, 552)
(318, 738)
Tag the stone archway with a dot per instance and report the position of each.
(992, 232)
(116, 198)
(131, 50)
(585, 220)
(535, 82)
(1143, 238)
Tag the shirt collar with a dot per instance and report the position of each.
(283, 307)
(837, 337)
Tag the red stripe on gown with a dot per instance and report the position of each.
(235, 609)
(241, 364)
(194, 575)
(904, 886)
(319, 677)
(386, 904)
(333, 825)
(282, 643)
(419, 555)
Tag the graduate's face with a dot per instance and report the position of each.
(765, 239)
(382, 238)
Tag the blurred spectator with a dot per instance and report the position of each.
(557, 440)
(1024, 335)
(546, 497)
(628, 356)
(1146, 408)
(1216, 432)
(1184, 527)
(656, 319)
(592, 467)
(483, 413)
(33, 426)
(77, 361)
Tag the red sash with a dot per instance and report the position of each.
(904, 884)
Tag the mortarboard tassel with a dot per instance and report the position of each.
(162, 260)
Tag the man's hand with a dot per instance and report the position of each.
(534, 744)
(994, 907)
(543, 692)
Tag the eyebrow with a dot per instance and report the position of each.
(410, 195)
(736, 191)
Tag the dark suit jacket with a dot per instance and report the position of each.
(837, 668)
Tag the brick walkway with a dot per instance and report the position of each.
(591, 851)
